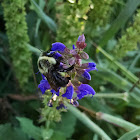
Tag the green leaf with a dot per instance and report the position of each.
(7, 132)
(130, 135)
(86, 121)
(51, 24)
(63, 126)
(29, 128)
(47, 134)
(58, 136)
(124, 15)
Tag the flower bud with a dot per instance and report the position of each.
(84, 55)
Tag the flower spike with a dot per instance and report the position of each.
(65, 73)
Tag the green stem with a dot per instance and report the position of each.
(84, 119)
(123, 96)
(117, 121)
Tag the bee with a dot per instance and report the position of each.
(52, 69)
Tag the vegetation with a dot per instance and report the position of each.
(112, 32)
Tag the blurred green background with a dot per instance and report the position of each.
(112, 31)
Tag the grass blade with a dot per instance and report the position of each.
(124, 15)
(51, 24)
(130, 135)
(125, 72)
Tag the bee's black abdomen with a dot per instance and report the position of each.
(60, 80)
(56, 80)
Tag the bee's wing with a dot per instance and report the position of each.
(52, 81)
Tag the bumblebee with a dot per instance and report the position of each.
(52, 69)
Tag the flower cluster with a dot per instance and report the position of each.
(75, 89)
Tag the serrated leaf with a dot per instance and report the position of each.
(7, 132)
(130, 135)
(29, 128)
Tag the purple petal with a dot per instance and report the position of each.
(86, 75)
(69, 92)
(92, 64)
(54, 92)
(82, 94)
(73, 46)
(44, 85)
(87, 87)
(57, 55)
(84, 89)
(88, 70)
(58, 46)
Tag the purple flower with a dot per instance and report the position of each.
(69, 62)
(69, 92)
(84, 89)
(58, 47)
(44, 85)
(86, 75)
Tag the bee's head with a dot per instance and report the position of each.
(46, 61)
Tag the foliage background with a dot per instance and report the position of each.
(112, 31)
